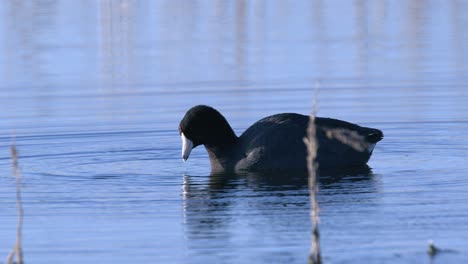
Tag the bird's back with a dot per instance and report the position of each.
(276, 143)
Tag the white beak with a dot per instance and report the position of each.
(187, 146)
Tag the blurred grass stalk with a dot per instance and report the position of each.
(17, 250)
(312, 146)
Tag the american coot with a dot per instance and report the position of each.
(274, 142)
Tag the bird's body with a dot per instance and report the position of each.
(277, 142)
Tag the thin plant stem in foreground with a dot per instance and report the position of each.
(312, 146)
(17, 250)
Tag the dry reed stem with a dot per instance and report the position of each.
(350, 138)
(312, 146)
(17, 250)
(347, 137)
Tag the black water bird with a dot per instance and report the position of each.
(275, 142)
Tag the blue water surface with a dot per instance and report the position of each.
(92, 92)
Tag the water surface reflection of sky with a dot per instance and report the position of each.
(94, 91)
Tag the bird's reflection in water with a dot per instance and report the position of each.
(273, 180)
(220, 206)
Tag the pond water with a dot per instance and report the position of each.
(92, 93)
